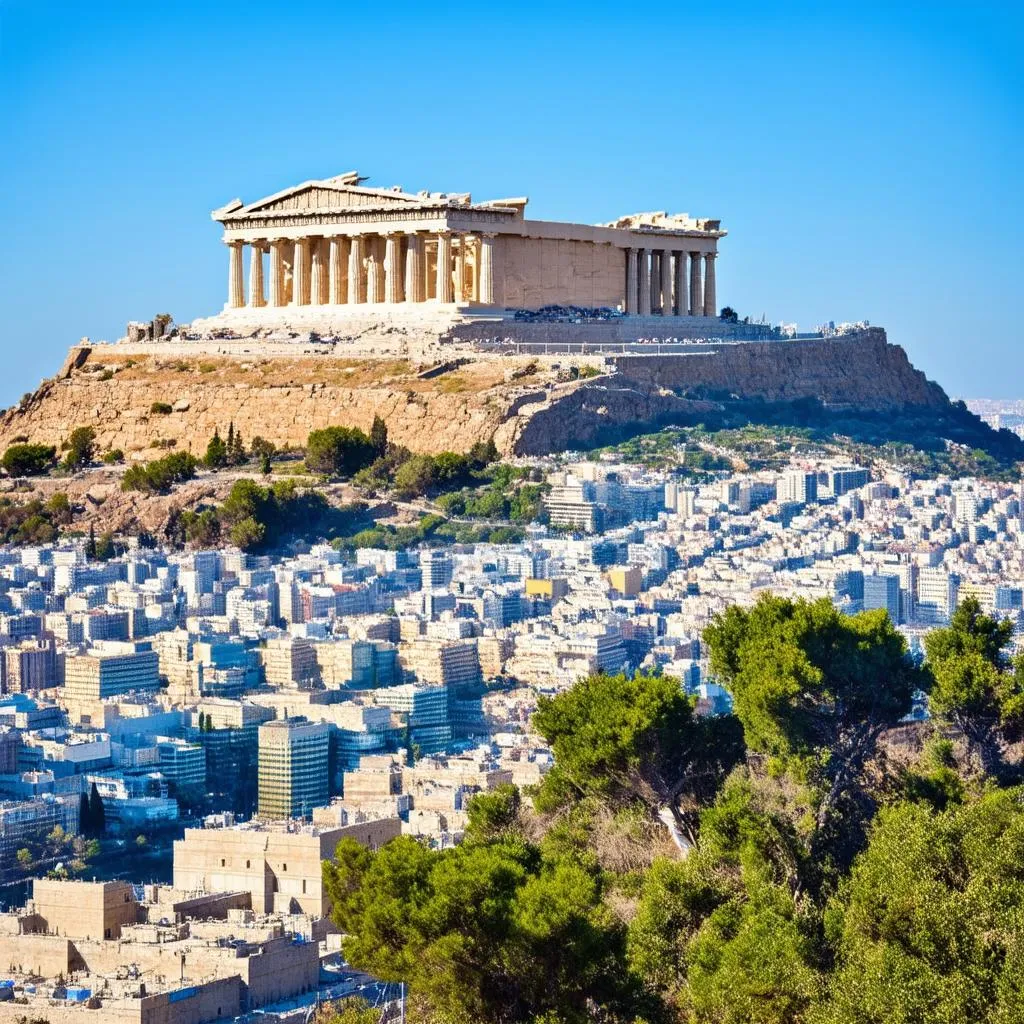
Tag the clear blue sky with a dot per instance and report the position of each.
(865, 158)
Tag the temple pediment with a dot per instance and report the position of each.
(338, 194)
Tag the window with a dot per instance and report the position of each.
(284, 867)
(223, 862)
(303, 887)
(248, 864)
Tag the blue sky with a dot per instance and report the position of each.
(865, 158)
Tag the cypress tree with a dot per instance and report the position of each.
(84, 816)
(379, 436)
(97, 815)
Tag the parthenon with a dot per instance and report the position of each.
(337, 243)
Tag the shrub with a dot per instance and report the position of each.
(161, 408)
(28, 459)
(157, 477)
(338, 451)
(114, 456)
(107, 375)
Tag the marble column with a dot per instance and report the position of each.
(630, 304)
(277, 272)
(666, 283)
(710, 297)
(655, 282)
(682, 307)
(318, 272)
(477, 246)
(460, 270)
(445, 291)
(644, 284)
(485, 271)
(300, 273)
(374, 279)
(256, 298)
(415, 279)
(696, 293)
(355, 271)
(236, 283)
(337, 271)
(393, 269)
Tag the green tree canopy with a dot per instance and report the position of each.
(634, 737)
(974, 686)
(930, 926)
(484, 932)
(813, 687)
(338, 451)
(81, 447)
(28, 459)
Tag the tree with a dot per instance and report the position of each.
(216, 452)
(928, 928)
(81, 447)
(28, 459)
(338, 451)
(159, 476)
(379, 436)
(97, 814)
(261, 448)
(974, 686)
(90, 544)
(813, 688)
(104, 549)
(729, 315)
(25, 859)
(627, 738)
(84, 819)
(415, 477)
(488, 932)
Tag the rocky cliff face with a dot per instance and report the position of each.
(862, 370)
(145, 404)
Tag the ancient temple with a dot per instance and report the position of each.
(339, 243)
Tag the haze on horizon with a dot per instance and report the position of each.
(864, 161)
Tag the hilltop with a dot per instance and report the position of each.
(144, 399)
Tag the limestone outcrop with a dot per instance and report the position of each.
(528, 405)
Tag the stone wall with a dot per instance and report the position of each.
(861, 370)
(534, 272)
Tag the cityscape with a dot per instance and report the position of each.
(496, 594)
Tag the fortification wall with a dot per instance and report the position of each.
(861, 370)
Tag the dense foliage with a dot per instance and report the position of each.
(158, 476)
(338, 451)
(28, 459)
(257, 518)
(806, 875)
(34, 521)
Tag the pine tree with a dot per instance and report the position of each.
(239, 454)
(90, 547)
(231, 438)
(97, 814)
